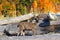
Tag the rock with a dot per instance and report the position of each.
(11, 29)
(2, 30)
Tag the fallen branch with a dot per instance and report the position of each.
(16, 19)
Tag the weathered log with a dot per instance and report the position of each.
(16, 19)
(54, 22)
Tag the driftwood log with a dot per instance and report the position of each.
(16, 19)
(54, 26)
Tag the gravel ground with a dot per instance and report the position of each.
(36, 37)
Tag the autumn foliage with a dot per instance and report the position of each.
(44, 6)
(1, 8)
(34, 5)
(13, 8)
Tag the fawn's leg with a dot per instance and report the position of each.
(33, 31)
(22, 33)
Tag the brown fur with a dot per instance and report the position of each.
(27, 26)
(51, 28)
(54, 28)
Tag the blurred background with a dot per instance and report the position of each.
(13, 8)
